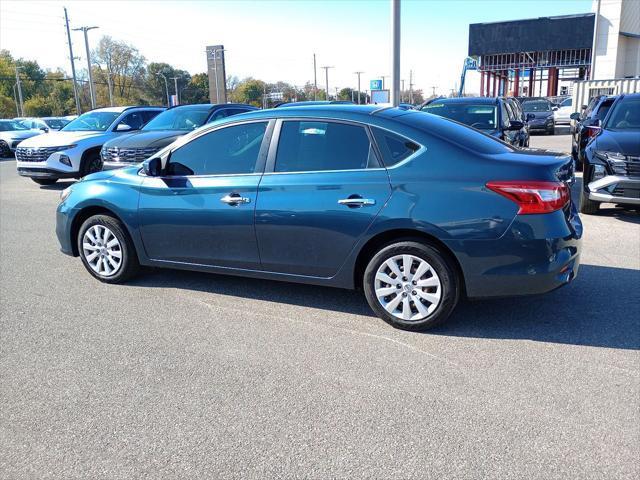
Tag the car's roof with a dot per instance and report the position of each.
(211, 105)
(122, 109)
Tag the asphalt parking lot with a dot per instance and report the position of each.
(188, 375)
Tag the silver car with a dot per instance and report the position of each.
(12, 133)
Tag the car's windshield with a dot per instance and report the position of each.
(92, 121)
(9, 125)
(179, 119)
(536, 106)
(625, 115)
(482, 117)
(56, 122)
(567, 102)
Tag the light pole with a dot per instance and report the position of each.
(19, 91)
(395, 49)
(166, 87)
(15, 96)
(358, 74)
(315, 79)
(383, 77)
(326, 77)
(92, 92)
(73, 65)
(175, 82)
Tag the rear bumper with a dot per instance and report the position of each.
(538, 254)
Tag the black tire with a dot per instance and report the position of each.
(45, 181)
(551, 131)
(91, 163)
(129, 265)
(588, 206)
(5, 151)
(449, 284)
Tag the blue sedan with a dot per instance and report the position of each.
(414, 209)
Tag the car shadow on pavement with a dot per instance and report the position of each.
(597, 309)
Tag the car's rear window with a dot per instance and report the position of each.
(456, 133)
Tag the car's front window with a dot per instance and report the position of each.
(56, 122)
(625, 115)
(179, 119)
(482, 117)
(92, 121)
(533, 106)
(567, 102)
(10, 125)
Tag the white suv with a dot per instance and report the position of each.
(74, 151)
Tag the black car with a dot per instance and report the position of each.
(487, 114)
(164, 130)
(587, 123)
(539, 114)
(612, 158)
(514, 107)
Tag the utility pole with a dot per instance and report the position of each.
(92, 91)
(411, 87)
(19, 91)
(175, 82)
(383, 77)
(166, 88)
(358, 74)
(402, 90)
(73, 65)
(315, 79)
(395, 56)
(110, 85)
(15, 97)
(326, 76)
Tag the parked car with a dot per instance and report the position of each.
(612, 158)
(163, 130)
(415, 209)
(75, 150)
(514, 107)
(586, 125)
(45, 123)
(308, 103)
(487, 114)
(561, 116)
(539, 113)
(11, 134)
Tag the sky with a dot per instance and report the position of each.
(274, 40)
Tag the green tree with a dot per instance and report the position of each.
(249, 91)
(196, 90)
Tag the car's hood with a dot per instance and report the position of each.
(625, 142)
(126, 175)
(156, 138)
(19, 134)
(55, 139)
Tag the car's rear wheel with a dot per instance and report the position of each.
(587, 205)
(45, 181)
(5, 151)
(106, 249)
(411, 285)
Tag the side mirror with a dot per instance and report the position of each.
(584, 107)
(575, 116)
(44, 129)
(555, 108)
(123, 127)
(515, 125)
(530, 116)
(152, 167)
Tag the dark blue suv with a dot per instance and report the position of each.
(415, 209)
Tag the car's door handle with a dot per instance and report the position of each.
(234, 199)
(356, 202)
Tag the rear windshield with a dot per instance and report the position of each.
(10, 125)
(483, 117)
(456, 133)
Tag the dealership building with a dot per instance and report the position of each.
(544, 56)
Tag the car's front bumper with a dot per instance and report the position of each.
(537, 254)
(64, 219)
(44, 172)
(615, 189)
(111, 165)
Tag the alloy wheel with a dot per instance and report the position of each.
(102, 250)
(408, 287)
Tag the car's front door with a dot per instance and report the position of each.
(202, 210)
(323, 187)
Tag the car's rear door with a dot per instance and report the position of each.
(323, 187)
(202, 210)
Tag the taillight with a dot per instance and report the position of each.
(533, 197)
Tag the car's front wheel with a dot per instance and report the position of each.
(5, 151)
(587, 205)
(411, 285)
(106, 249)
